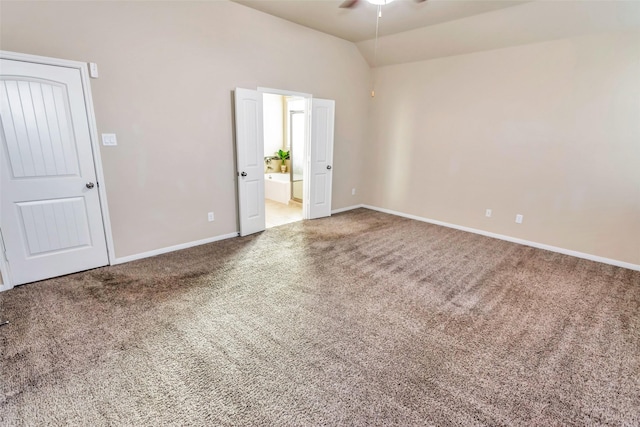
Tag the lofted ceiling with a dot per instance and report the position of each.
(359, 23)
(414, 31)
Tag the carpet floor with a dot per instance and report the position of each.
(359, 319)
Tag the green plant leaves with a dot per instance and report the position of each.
(283, 155)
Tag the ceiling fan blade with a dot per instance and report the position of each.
(420, 1)
(348, 4)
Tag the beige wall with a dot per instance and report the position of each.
(548, 130)
(167, 70)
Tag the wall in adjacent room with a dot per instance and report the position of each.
(167, 72)
(273, 114)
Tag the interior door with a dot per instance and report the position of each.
(321, 157)
(250, 153)
(50, 210)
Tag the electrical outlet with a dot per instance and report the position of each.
(353, 191)
(488, 213)
(210, 216)
(519, 219)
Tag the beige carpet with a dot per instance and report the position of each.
(360, 319)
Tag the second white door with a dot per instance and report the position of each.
(250, 152)
(321, 157)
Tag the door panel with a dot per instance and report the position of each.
(38, 114)
(54, 225)
(253, 197)
(322, 123)
(251, 140)
(250, 149)
(319, 189)
(51, 221)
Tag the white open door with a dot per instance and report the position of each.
(50, 211)
(250, 152)
(321, 157)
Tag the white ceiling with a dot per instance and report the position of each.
(411, 31)
(359, 23)
(532, 22)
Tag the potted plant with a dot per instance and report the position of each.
(284, 156)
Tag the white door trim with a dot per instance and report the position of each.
(306, 173)
(283, 92)
(95, 148)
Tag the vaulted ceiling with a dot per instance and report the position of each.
(359, 23)
(412, 31)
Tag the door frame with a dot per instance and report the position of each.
(306, 197)
(5, 268)
(292, 151)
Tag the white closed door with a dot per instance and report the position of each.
(50, 211)
(250, 154)
(321, 157)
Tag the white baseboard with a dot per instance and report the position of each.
(564, 251)
(161, 251)
(348, 208)
(617, 263)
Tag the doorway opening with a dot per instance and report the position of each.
(317, 155)
(285, 131)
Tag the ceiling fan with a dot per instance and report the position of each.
(348, 4)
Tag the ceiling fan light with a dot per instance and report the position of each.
(379, 2)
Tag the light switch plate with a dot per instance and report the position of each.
(109, 139)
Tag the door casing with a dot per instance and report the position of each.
(306, 203)
(5, 267)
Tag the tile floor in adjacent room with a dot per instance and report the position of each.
(279, 213)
